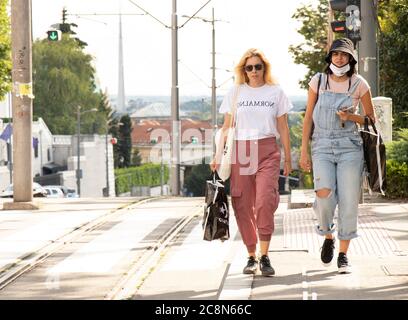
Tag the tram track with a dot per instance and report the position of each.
(31, 260)
(142, 267)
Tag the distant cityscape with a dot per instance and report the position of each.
(194, 107)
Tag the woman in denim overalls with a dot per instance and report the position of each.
(336, 148)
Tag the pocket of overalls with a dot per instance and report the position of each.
(325, 117)
(356, 141)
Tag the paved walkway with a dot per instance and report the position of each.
(379, 256)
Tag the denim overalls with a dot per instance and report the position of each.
(337, 156)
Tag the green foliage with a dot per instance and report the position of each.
(397, 179)
(146, 175)
(124, 146)
(398, 150)
(136, 158)
(295, 122)
(5, 51)
(195, 181)
(312, 52)
(393, 47)
(307, 179)
(63, 78)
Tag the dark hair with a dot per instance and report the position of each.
(349, 73)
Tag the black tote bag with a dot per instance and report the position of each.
(216, 211)
(374, 157)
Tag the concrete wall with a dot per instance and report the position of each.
(93, 165)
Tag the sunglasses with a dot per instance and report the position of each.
(249, 67)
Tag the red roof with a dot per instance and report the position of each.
(154, 131)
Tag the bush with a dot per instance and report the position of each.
(195, 181)
(398, 150)
(308, 180)
(145, 175)
(397, 179)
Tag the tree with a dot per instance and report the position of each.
(393, 48)
(392, 42)
(5, 51)
(124, 146)
(136, 158)
(312, 52)
(63, 78)
(195, 181)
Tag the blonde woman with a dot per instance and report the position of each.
(261, 118)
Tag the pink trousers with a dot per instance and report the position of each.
(255, 188)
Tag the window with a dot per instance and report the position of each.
(48, 154)
(36, 150)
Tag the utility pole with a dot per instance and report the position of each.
(22, 103)
(175, 137)
(213, 86)
(175, 152)
(78, 170)
(107, 161)
(368, 45)
(213, 81)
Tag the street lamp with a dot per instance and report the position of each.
(78, 171)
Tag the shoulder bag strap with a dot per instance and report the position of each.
(234, 107)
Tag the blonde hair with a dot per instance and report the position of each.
(240, 73)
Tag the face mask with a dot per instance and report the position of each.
(340, 71)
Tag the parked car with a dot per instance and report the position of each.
(67, 192)
(38, 191)
(54, 192)
(72, 194)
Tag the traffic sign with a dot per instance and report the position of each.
(54, 35)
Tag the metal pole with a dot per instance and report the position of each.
(161, 171)
(107, 162)
(213, 87)
(22, 103)
(78, 172)
(10, 143)
(175, 156)
(368, 45)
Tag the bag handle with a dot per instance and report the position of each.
(366, 118)
(234, 107)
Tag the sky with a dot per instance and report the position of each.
(263, 24)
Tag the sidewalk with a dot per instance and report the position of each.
(379, 256)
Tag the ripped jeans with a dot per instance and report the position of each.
(337, 166)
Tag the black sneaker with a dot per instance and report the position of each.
(342, 263)
(327, 252)
(252, 266)
(265, 266)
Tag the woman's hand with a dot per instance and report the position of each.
(343, 115)
(213, 165)
(305, 162)
(287, 168)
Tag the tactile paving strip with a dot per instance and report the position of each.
(373, 240)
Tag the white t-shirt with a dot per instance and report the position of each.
(257, 110)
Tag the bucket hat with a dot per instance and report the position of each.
(343, 45)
